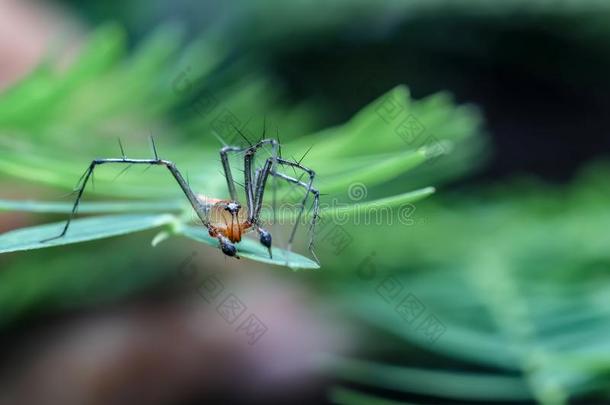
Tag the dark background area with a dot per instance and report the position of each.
(544, 95)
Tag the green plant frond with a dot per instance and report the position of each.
(462, 385)
(251, 249)
(342, 395)
(373, 174)
(97, 207)
(34, 164)
(81, 230)
(342, 212)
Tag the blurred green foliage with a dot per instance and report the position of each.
(106, 93)
(516, 274)
(99, 74)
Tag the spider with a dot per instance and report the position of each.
(224, 218)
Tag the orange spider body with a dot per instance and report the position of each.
(230, 223)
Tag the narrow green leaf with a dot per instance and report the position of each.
(342, 395)
(465, 386)
(91, 207)
(252, 250)
(346, 210)
(80, 230)
(387, 202)
(382, 170)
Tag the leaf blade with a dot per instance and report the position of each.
(81, 230)
(388, 202)
(252, 250)
(98, 207)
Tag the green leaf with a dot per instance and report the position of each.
(387, 202)
(381, 169)
(465, 386)
(347, 210)
(342, 395)
(80, 230)
(252, 250)
(91, 207)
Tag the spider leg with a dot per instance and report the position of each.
(249, 186)
(309, 188)
(227, 169)
(252, 180)
(195, 203)
(315, 209)
(250, 183)
(252, 186)
(265, 172)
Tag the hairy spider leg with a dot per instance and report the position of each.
(159, 162)
(260, 191)
(251, 188)
(227, 247)
(249, 185)
(227, 169)
(309, 187)
(315, 209)
(248, 173)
